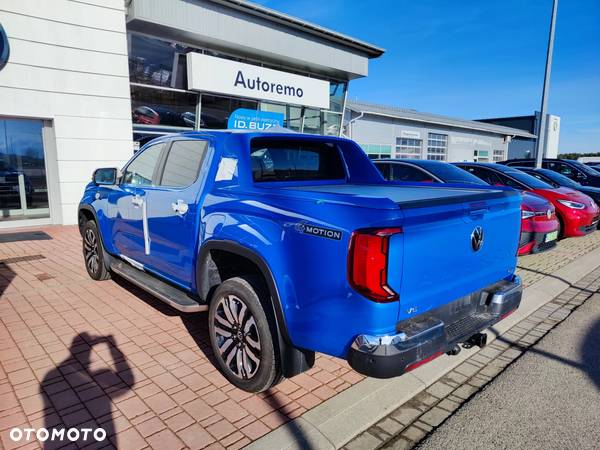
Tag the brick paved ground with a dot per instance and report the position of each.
(409, 424)
(533, 268)
(79, 353)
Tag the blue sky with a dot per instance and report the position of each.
(474, 59)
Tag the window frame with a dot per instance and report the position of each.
(157, 167)
(165, 157)
(404, 150)
(433, 149)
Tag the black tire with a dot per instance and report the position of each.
(93, 252)
(242, 336)
(560, 228)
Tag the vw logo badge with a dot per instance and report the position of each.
(549, 214)
(477, 239)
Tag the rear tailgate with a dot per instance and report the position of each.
(434, 261)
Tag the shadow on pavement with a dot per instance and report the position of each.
(546, 274)
(83, 398)
(590, 353)
(6, 276)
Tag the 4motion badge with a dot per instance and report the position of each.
(319, 231)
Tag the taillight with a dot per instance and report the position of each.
(368, 263)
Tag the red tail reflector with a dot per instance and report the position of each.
(505, 315)
(413, 366)
(368, 263)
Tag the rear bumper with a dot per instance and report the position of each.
(435, 332)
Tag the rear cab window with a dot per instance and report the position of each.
(295, 160)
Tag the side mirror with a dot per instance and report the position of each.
(106, 176)
(581, 176)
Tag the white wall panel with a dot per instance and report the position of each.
(68, 64)
(94, 150)
(73, 191)
(53, 80)
(92, 128)
(81, 171)
(67, 35)
(64, 58)
(114, 4)
(85, 15)
(69, 213)
(21, 102)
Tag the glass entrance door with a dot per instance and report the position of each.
(23, 184)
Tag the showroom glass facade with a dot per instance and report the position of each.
(161, 102)
(23, 183)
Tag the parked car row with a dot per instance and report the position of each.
(554, 206)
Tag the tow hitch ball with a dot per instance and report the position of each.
(479, 340)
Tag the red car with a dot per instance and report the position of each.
(577, 213)
(539, 225)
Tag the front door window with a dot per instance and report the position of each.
(23, 184)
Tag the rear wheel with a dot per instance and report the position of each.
(240, 335)
(93, 252)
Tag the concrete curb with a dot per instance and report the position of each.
(336, 421)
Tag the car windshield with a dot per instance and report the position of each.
(450, 174)
(586, 169)
(530, 181)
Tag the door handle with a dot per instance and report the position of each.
(137, 200)
(180, 207)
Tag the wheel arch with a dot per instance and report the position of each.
(85, 213)
(209, 276)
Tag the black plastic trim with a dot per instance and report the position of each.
(84, 206)
(487, 195)
(293, 359)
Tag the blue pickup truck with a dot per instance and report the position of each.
(295, 244)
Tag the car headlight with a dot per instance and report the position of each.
(570, 204)
(525, 214)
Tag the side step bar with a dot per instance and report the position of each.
(163, 291)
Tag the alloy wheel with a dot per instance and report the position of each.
(237, 338)
(90, 248)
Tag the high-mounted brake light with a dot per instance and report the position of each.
(368, 263)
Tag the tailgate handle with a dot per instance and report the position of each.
(478, 212)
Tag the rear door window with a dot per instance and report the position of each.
(507, 181)
(295, 160)
(384, 169)
(486, 175)
(183, 163)
(403, 172)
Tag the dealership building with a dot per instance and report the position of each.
(525, 147)
(84, 83)
(389, 132)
